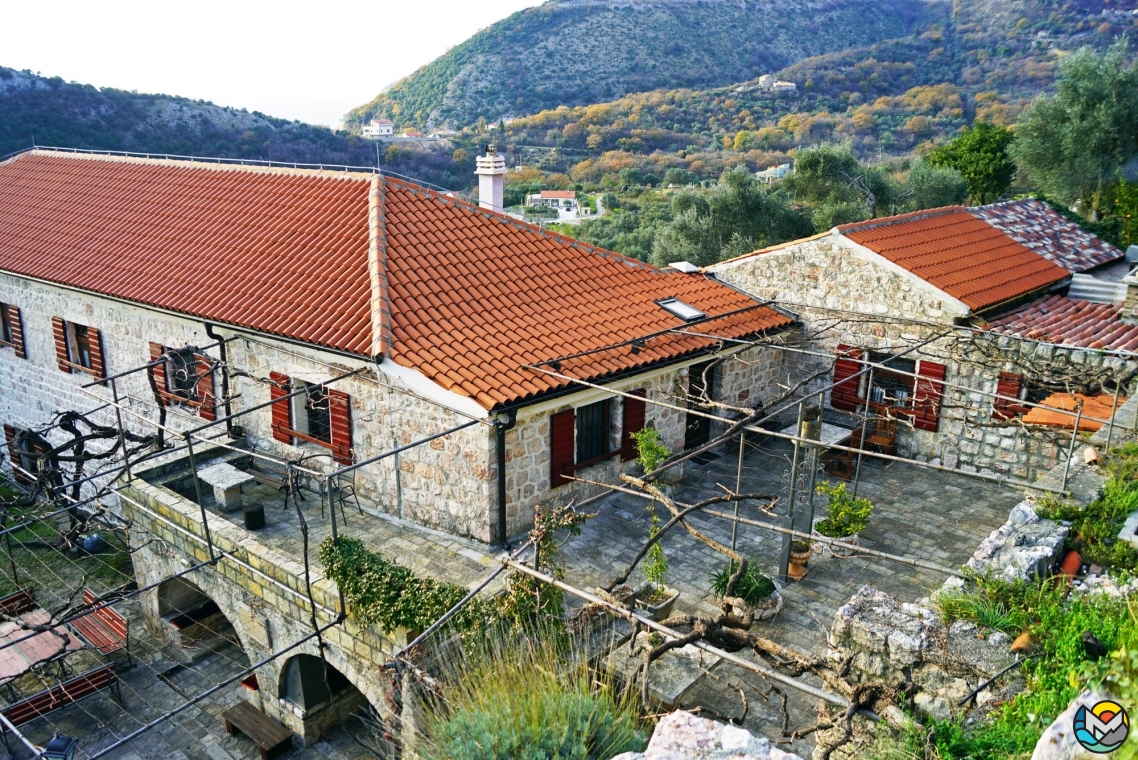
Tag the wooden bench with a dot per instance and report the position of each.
(104, 629)
(19, 603)
(44, 702)
(271, 737)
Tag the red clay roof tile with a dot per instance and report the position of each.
(285, 252)
(958, 253)
(1064, 321)
(1045, 231)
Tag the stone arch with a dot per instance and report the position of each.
(304, 697)
(193, 615)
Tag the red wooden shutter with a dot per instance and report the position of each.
(60, 332)
(95, 341)
(562, 437)
(17, 324)
(633, 422)
(207, 403)
(1006, 408)
(280, 387)
(927, 395)
(158, 372)
(14, 455)
(844, 395)
(340, 416)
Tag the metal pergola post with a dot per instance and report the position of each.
(738, 485)
(864, 429)
(118, 421)
(784, 555)
(1113, 414)
(1074, 442)
(201, 501)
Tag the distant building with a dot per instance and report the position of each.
(412, 132)
(566, 199)
(768, 83)
(772, 173)
(444, 132)
(378, 129)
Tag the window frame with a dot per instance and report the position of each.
(6, 335)
(894, 382)
(174, 390)
(71, 345)
(302, 408)
(587, 415)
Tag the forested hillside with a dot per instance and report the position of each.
(574, 52)
(57, 113)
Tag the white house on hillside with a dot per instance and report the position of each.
(378, 129)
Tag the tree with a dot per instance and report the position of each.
(737, 216)
(840, 189)
(1073, 144)
(981, 157)
(932, 187)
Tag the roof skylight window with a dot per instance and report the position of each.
(681, 309)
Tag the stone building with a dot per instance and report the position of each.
(341, 315)
(960, 303)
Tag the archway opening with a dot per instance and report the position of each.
(313, 689)
(193, 614)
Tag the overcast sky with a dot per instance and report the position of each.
(310, 61)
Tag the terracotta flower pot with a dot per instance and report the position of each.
(799, 562)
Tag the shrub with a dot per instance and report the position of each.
(526, 699)
(752, 588)
(845, 515)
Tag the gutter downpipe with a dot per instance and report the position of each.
(503, 426)
(210, 330)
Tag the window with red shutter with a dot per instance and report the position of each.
(928, 395)
(633, 421)
(78, 348)
(340, 416)
(207, 404)
(562, 449)
(158, 373)
(279, 388)
(59, 333)
(845, 393)
(12, 329)
(1009, 390)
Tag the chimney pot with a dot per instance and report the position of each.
(491, 171)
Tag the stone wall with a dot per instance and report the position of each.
(853, 297)
(260, 590)
(746, 378)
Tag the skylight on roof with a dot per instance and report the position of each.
(681, 309)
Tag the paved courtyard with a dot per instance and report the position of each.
(919, 513)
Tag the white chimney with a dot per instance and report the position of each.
(491, 173)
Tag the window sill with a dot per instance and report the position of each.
(308, 439)
(75, 368)
(596, 460)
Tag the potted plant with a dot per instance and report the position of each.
(800, 552)
(846, 517)
(652, 596)
(755, 588)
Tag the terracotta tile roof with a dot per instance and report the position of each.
(1048, 233)
(559, 194)
(1099, 407)
(282, 253)
(473, 296)
(498, 294)
(1064, 321)
(961, 255)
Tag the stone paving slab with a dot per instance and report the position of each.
(920, 513)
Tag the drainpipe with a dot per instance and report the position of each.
(503, 426)
(211, 332)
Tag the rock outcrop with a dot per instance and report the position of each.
(1023, 547)
(683, 736)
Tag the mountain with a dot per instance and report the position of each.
(52, 112)
(574, 52)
